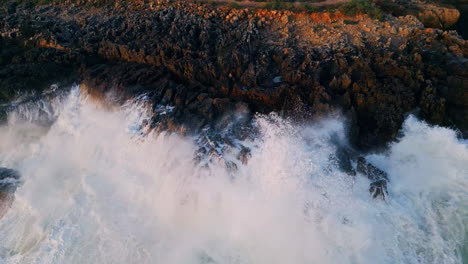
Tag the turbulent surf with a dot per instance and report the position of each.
(97, 185)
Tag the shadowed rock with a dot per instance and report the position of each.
(9, 180)
(379, 178)
(345, 158)
(378, 189)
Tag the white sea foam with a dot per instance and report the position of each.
(96, 190)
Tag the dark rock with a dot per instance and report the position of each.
(458, 101)
(379, 178)
(202, 61)
(244, 155)
(378, 189)
(9, 181)
(372, 172)
(11, 7)
(344, 158)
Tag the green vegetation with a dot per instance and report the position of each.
(352, 8)
(279, 5)
(308, 7)
(95, 3)
(34, 2)
(45, 2)
(319, 27)
(349, 22)
(390, 7)
(235, 5)
(291, 5)
(356, 7)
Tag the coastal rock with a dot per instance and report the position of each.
(458, 101)
(378, 189)
(378, 178)
(176, 51)
(433, 14)
(9, 180)
(437, 16)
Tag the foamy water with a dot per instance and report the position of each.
(98, 189)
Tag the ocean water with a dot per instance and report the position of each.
(99, 187)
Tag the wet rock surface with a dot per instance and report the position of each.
(9, 180)
(347, 157)
(378, 178)
(208, 62)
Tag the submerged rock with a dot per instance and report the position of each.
(378, 189)
(372, 172)
(9, 180)
(379, 178)
(345, 157)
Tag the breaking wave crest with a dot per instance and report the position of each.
(100, 187)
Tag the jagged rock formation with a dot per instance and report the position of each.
(206, 61)
(431, 14)
(378, 178)
(438, 17)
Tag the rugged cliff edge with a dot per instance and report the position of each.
(207, 61)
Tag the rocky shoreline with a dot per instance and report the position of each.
(210, 61)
